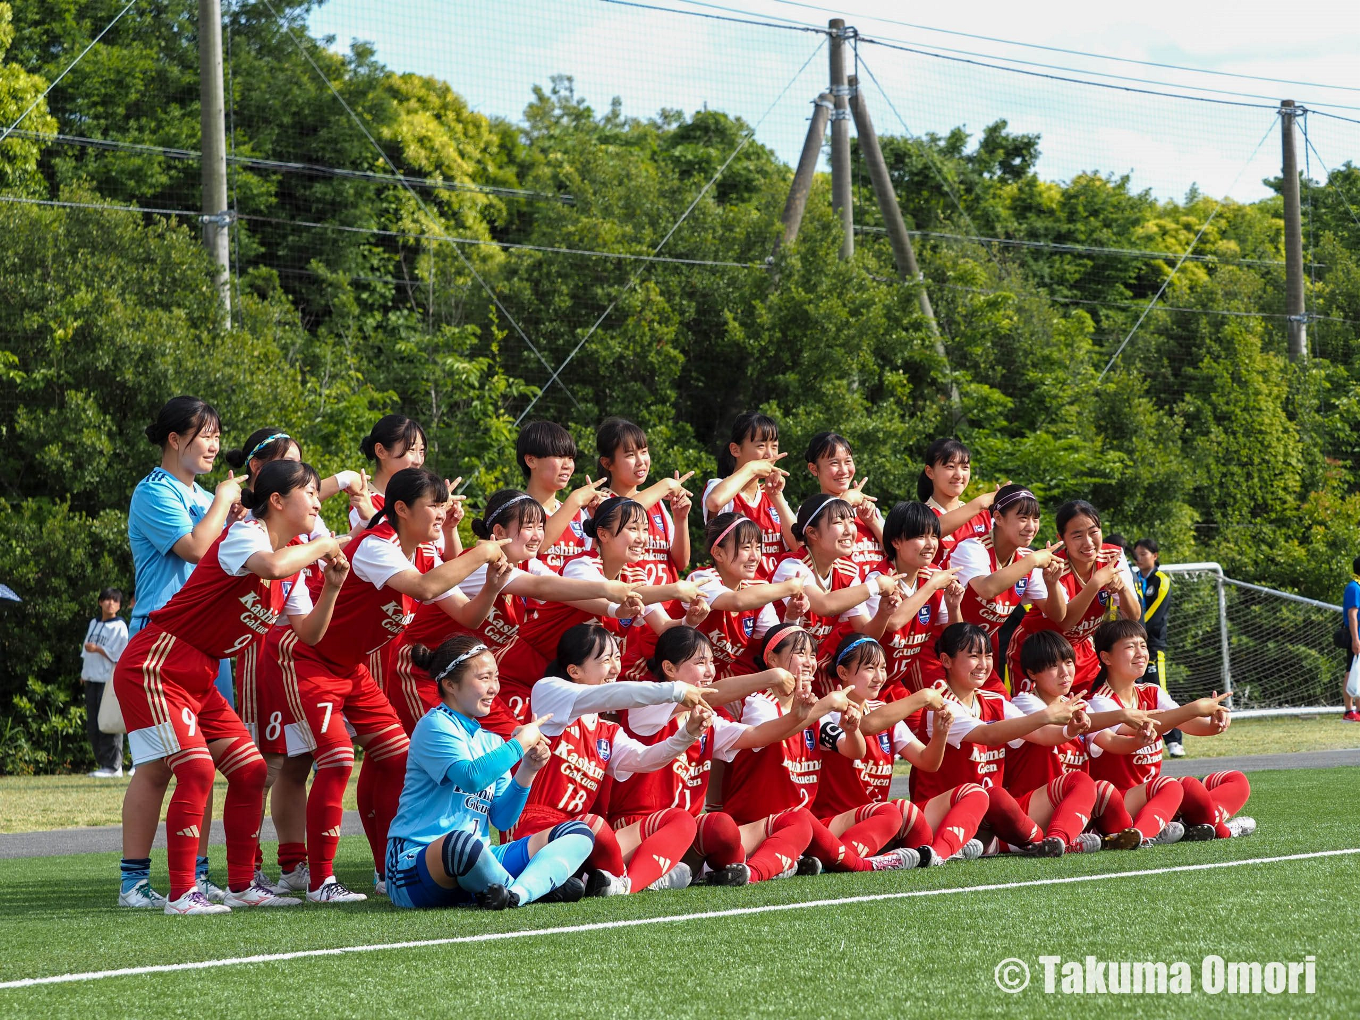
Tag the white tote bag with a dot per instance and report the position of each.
(110, 712)
(1353, 678)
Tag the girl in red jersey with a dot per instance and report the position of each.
(332, 699)
(948, 470)
(514, 586)
(784, 776)
(178, 722)
(835, 592)
(580, 683)
(547, 454)
(723, 852)
(999, 572)
(1206, 808)
(830, 461)
(926, 598)
(1048, 666)
(1095, 579)
(937, 830)
(984, 724)
(752, 485)
(741, 606)
(624, 465)
(618, 531)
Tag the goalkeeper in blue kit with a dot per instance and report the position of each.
(459, 783)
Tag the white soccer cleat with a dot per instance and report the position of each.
(259, 894)
(677, 878)
(604, 883)
(297, 880)
(970, 851)
(142, 896)
(1173, 833)
(194, 904)
(1241, 825)
(262, 879)
(1086, 843)
(1175, 749)
(107, 774)
(331, 891)
(211, 891)
(895, 860)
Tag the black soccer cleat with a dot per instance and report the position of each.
(1199, 833)
(731, 875)
(494, 897)
(568, 892)
(809, 865)
(1051, 846)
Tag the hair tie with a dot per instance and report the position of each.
(1010, 498)
(476, 649)
(500, 511)
(852, 646)
(727, 531)
(265, 442)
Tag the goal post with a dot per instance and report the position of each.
(1272, 649)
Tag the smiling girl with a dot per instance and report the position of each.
(547, 454)
(830, 461)
(624, 465)
(948, 470)
(753, 486)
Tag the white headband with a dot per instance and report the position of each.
(476, 649)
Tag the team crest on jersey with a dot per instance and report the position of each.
(774, 515)
(658, 520)
(885, 742)
(1021, 585)
(978, 529)
(748, 625)
(810, 739)
(287, 588)
(603, 747)
(703, 742)
(577, 530)
(924, 616)
(1104, 597)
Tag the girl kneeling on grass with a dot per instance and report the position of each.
(458, 784)
(1205, 808)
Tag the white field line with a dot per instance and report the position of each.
(571, 929)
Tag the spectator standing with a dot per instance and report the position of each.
(105, 639)
(1154, 586)
(1349, 638)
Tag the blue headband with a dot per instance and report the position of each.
(265, 442)
(852, 646)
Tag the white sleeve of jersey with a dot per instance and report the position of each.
(758, 708)
(1028, 703)
(629, 756)
(725, 735)
(765, 619)
(1095, 704)
(354, 519)
(870, 605)
(963, 724)
(299, 602)
(971, 560)
(790, 568)
(1013, 711)
(650, 719)
(710, 584)
(244, 540)
(1127, 576)
(582, 568)
(704, 502)
(1036, 588)
(568, 701)
(1166, 702)
(902, 738)
(377, 561)
(472, 585)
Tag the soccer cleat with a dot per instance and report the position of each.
(1086, 843)
(928, 857)
(262, 879)
(568, 892)
(1241, 825)
(677, 878)
(1125, 839)
(259, 894)
(143, 896)
(494, 897)
(1050, 846)
(1173, 833)
(1351, 716)
(808, 865)
(194, 903)
(213, 892)
(970, 851)
(1199, 833)
(107, 774)
(293, 881)
(604, 883)
(731, 875)
(895, 860)
(1175, 749)
(331, 891)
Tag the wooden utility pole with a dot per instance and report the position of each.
(1293, 238)
(807, 169)
(903, 253)
(216, 218)
(840, 139)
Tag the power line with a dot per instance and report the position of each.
(789, 26)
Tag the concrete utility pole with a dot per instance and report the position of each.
(903, 253)
(840, 138)
(807, 169)
(1293, 238)
(216, 221)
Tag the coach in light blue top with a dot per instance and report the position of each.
(460, 781)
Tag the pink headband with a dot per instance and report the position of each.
(727, 531)
(782, 635)
(1010, 498)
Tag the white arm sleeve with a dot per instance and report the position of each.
(569, 701)
(651, 719)
(629, 756)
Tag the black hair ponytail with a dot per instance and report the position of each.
(182, 416)
(278, 476)
(407, 486)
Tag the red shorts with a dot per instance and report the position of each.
(323, 706)
(409, 689)
(534, 818)
(167, 691)
(270, 708)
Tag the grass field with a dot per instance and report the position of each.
(933, 949)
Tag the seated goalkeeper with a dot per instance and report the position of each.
(459, 783)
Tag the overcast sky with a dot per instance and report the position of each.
(493, 53)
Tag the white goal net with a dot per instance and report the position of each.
(1273, 650)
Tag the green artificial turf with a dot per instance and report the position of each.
(887, 958)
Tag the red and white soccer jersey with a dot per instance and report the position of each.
(1126, 771)
(735, 637)
(1031, 765)
(684, 782)
(975, 527)
(827, 631)
(763, 782)
(868, 549)
(848, 783)
(764, 513)
(656, 562)
(1080, 633)
(910, 649)
(379, 501)
(965, 761)
(570, 544)
(976, 557)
